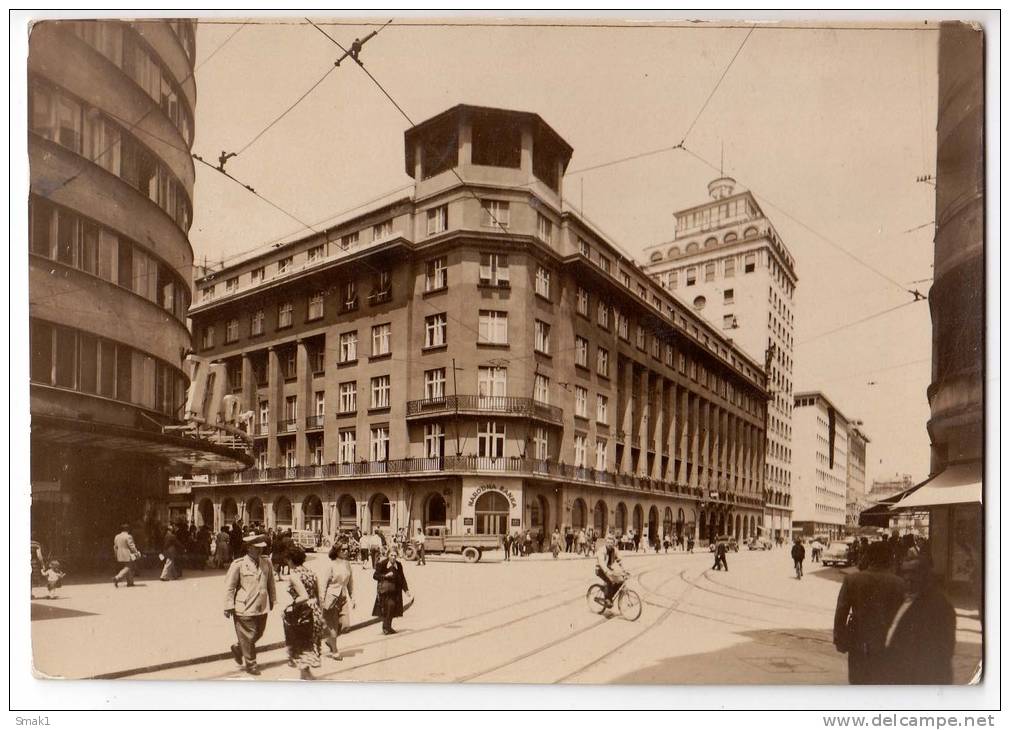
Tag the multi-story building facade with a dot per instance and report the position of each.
(855, 483)
(110, 127)
(728, 263)
(474, 356)
(820, 466)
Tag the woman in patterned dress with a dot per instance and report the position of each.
(303, 649)
(336, 588)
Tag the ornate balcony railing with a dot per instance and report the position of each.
(287, 426)
(317, 421)
(500, 405)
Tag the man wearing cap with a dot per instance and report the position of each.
(249, 596)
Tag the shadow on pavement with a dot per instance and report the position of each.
(47, 611)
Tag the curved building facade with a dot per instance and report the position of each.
(110, 123)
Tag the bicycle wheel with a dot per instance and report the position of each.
(596, 598)
(630, 605)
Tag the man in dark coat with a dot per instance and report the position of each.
(867, 603)
(389, 592)
(920, 642)
(798, 554)
(720, 557)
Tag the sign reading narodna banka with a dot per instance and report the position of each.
(491, 488)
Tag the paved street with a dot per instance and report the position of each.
(524, 621)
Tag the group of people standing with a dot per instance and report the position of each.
(321, 601)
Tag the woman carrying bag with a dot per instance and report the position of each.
(336, 586)
(303, 619)
(391, 584)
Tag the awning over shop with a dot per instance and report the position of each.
(957, 484)
(181, 454)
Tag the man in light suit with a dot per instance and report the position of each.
(249, 595)
(126, 553)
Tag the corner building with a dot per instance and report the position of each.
(110, 123)
(476, 357)
(824, 438)
(729, 264)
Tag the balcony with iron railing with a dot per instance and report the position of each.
(289, 425)
(316, 421)
(499, 405)
(380, 297)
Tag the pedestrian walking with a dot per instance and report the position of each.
(250, 594)
(236, 535)
(391, 585)
(337, 591)
(304, 626)
(569, 538)
(798, 553)
(867, 604)
(126, 556)
(419, 539)
(690, 543)
(556, 543)
(920, 641)
(580, 542)
(375, 546)
(170, 554)
(720, 557)
(528, 544)
(507, 542)
(222, 551)
(815, 551)
(364, 549)
(54, 576)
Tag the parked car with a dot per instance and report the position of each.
(838, 553)
(728, 540)
(471, 547)
(759, 543)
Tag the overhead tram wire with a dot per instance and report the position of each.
(857, 322)
(132, 125)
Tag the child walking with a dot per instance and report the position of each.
(54, 578)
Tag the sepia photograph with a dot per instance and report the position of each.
(504, 349)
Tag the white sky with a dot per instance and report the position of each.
(830, 125)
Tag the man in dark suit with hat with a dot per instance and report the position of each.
(250, 594)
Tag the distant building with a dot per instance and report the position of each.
(821, 471)
(855, 483)
(474, 357)
(727, 262)
(110, 124)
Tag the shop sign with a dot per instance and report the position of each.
(491, 488)
(468, 520)
(516, 522)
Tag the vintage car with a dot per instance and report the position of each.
(759, 543)
(471, 547)
(728, 540)
(838, 553)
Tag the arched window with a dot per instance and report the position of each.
(600, 518)
(347, 512)
(282, 513)
(656, 256)
(709, 242)
(229, 510)
(435, 510)
(750, 232)
(254, 511)
(621, 518)
(380, 510)
(312, 513)
(729, 238)
(492, 514)
(691, 247)
(578, 514)
(673, 252)
(699, 302)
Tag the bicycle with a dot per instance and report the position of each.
(628, 602)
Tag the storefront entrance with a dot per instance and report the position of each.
(491, 514)
(540, 516)
(312, 514)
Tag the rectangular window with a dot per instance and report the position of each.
(317, 356)
(494, 269)
(710, 271)
(285, 314)
(289, 363)
(672, 280)
(316, 306)
(493, 327)
(541, 337)
(438, 219)
(491, 440)
(541, 389)
(285, 265)
(727, 296)
(604, 263)
(601, 454)
(381, 339)
(348, 347)
(349, 241)
(581, 402)
(749, 262)
(434, 441)
(380, 392)
(655, 346)
(231, 330)
(729, 268)
(315, 443)
(602, 362)
(492, 382)
(348, 402)
(494, 214)
(582, 301)
(435, 330)
(603, 314)
(583, 248)
(208, 337)
(291, 408)
(543, 282)
(545, 228)
(540, 443)
(319, 403)
(350, 297)
(379, 444)
(347, 446)
(256, 326)
(106, 368)
(622, 326)
(382, 230)
(435, 274)
(87, 352)
(691, 277)
(316, 253)
(256, 276)
(581, 351)
(434, 384)
(580, 450)
(231, 285)
(602, 414)
(640, 337)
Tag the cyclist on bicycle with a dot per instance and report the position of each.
(610, 569)
(798, 554)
